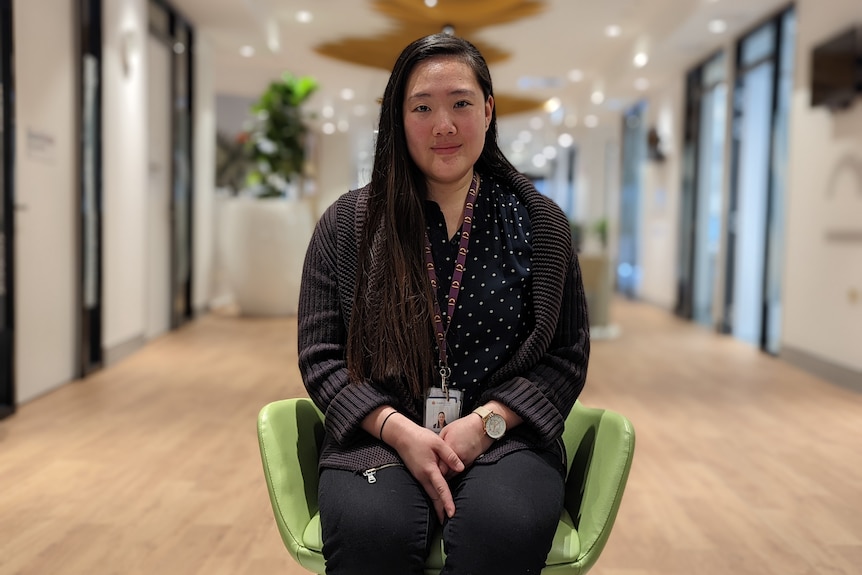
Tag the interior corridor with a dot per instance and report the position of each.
(744, 465)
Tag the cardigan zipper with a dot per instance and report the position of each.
(369, 474)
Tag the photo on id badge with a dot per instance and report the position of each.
(440, 411)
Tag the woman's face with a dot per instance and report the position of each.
(445, 119)
(441, 418)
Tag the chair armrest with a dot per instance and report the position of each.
(600, 447)
(290, 432)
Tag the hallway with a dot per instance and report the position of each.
(744, 464)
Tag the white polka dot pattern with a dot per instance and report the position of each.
(493, 314)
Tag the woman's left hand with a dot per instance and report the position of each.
(466, 436)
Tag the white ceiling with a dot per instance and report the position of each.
(568, 34)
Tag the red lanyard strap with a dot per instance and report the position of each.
(455, 287)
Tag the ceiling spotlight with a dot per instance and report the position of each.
(612, 31)
(430, 3)
(641, 84)
(347, 94)
(565, 140)
(552, 105)
(549, 152)
(449, 30)
(539, 160)
(536, 123)
(717, 26)
(343, 126)
(597, 97)
(327, 111)
(328, 128)
(246, 51)
(640, 60)
(304, 16)
(576, 75)
(591, 121)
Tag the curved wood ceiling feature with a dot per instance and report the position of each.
(413, 19)
(464, 15)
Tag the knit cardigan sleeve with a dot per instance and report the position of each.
(322, 337)
(545, 377)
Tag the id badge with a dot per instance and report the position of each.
(439, 411)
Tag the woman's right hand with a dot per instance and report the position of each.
(427, 457)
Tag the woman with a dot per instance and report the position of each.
(448, 278)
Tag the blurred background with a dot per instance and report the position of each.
(164, 162)
(705, 151)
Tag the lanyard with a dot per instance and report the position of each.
(455, 288)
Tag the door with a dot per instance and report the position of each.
(46, 191)
(159, 193)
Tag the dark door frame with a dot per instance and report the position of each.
(178, 35)
(7, 196)
(90, 270)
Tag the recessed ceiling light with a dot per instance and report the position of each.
(347, 94)
(430, 3)
(576, 75)
(343, 125)
(612, 31)
(536, 123)
(549, 152)
(640, 60)
(328, 128)
(552, 105)
(539, 160)
(246, 51)
(641, 84)
(304, 16)
(327, 111)
(565, 140)
(591, 121)
(717, 26)
(597, 97)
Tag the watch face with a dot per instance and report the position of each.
(495, 427)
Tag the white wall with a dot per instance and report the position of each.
(204, 273)
(46, 177)
(333, 161)
(125, 171)
(821, 316)
(660, 198)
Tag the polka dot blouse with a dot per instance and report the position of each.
(493, 314)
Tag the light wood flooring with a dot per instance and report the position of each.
(744, 465)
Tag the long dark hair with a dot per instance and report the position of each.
(390, 339)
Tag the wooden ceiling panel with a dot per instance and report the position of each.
(412, 19)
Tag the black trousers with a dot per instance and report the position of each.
(506, 514)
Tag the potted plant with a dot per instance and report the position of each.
(266, 227)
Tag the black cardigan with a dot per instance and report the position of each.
(540, 381)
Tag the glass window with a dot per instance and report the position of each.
(758, 45)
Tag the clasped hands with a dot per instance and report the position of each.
(432, 458)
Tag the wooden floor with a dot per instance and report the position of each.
(744, 465)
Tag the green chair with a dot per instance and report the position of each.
(600, 446)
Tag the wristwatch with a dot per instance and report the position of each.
(495, 425)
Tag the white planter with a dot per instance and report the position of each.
(262, 246)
